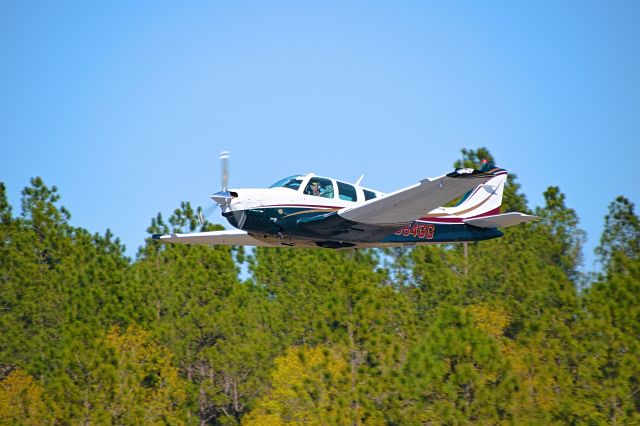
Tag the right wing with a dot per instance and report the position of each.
(411, 203)
(234, 237)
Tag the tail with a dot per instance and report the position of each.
(480, 207)
(483, 200)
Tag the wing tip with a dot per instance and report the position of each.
(163, 238)
(462, 172)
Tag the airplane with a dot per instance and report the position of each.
(307, 210)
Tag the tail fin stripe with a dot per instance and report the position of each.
(470, 209)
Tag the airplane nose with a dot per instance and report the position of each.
(224, 197)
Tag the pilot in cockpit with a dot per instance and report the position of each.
(314, 190)
(319, 188)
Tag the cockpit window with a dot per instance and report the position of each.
(319, 187)
(291, 182)
(347, 192)
(368, 195)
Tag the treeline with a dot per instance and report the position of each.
(509, 333)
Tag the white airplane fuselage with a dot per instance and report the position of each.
(279, 215)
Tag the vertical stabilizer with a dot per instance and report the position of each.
(484, 200)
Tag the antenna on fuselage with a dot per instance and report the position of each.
(359, 180)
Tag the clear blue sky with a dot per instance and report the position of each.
(126, 105)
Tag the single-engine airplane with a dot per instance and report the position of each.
(314, 211)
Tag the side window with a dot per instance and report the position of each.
(319, 187)
(369, 195)
(347, 192)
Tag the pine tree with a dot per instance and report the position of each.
(561, 223)
(216, 326)
(33, 295)
(610, 328)
(339, 298)
(126, 379)
(621, 236)
(455, 374)
(22, 401)
(60, 286)
(307, 384)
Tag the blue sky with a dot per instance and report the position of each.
(126, 105)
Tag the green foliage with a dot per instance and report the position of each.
(5, 207)
(306, 385)
(610, 336)
(22, 401)
(218, 328)
(455, 374)
(326, 297)
(610, 326)
(124, 377)
(621, 235)
(561, 223)
(33, 299)
(491, 333)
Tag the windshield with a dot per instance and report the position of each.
(291, 182)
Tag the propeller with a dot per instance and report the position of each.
(224, 157)
(224, 197)
(204, 214)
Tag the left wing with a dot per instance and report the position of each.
(411, 203)
(234, 237)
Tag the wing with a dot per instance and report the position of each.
(232, 237)
(500, 220)
(411, 203)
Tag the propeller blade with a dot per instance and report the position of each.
(224, 197)
(224, 158)
(200, 216)
(209, 210)
(204, 214)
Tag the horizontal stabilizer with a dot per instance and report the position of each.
(232, 237)
(500, 220)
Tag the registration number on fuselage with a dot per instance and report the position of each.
(423, 231)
